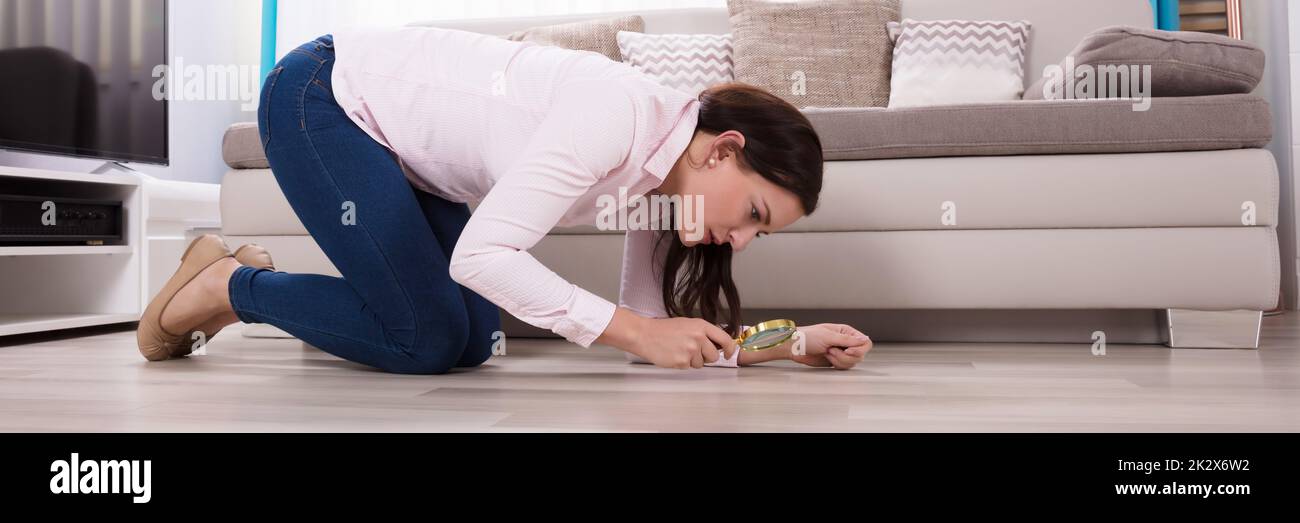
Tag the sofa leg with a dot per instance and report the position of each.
(1238, 329)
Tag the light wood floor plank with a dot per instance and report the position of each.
(98, 382)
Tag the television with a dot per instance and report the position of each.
(77, 78)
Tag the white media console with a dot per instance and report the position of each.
(46, 288)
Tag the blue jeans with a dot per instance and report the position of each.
(396, 307)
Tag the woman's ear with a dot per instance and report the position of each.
(725, 143)
(734, 136)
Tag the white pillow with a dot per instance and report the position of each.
(687, 62)
(941, 62)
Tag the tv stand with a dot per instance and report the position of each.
(61, 287)
(110, 167)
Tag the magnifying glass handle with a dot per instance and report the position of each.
(737, 340)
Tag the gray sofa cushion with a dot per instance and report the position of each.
(1044, 127)
(1197, 123)
(241, 147)
(1183, 63)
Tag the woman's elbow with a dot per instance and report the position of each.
(468, 263)
(462, 267)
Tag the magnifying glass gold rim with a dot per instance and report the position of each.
(765, 326)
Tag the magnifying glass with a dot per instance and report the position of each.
(765, 335)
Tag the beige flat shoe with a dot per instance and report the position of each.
(155, 343)
(252, 255)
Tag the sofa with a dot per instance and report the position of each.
(1074, 246)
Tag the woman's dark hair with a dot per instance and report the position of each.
(781, 146)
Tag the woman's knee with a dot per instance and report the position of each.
(474, 356)
(436, 347)
(485, 340)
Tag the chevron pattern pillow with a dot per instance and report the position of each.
(941, 62)
(687, 62)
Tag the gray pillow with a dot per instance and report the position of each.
(815, 53)
(600, 36)
(1183, 63)
(241, 147)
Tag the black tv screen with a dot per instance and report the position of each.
(77, 78)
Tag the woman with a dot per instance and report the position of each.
(379, 141)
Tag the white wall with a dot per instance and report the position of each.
(1272, 26)
(1282, 85)
(303, 20)
(226, 32)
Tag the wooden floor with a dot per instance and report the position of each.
(97, 381)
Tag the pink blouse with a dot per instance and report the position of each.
(535, 134)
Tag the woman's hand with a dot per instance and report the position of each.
(831, 345)
(677, 343)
